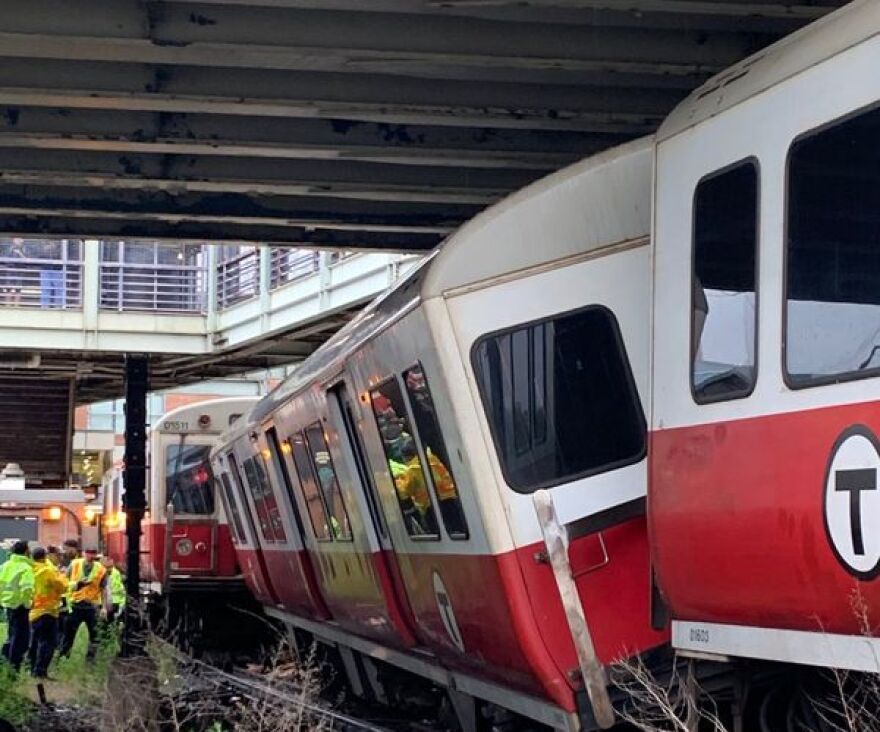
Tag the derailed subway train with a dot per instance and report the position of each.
(631, 409)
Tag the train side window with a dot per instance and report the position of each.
(309, 485)
(560, 399)
(431, 438)
(723, 295)
(832, 264)
(328, 482)
(273, 514)
(404, 463)
(232, 509)
(189, 481)
(256, 489)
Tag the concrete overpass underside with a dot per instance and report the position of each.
(371, 124)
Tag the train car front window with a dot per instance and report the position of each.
(560, 399)
(189, 481)
(724, 298)
(832, 319)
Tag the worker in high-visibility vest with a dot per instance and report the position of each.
(87, 580)
(115, 588)
(69, 552)
(49, 588)
(16, 595)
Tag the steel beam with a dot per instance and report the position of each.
(33, 224)
(571, 11)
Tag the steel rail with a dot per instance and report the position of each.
(253, 687)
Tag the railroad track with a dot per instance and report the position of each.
(254, 687)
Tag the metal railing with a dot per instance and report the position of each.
(44, 275)
(153, 287)
(288, 265)
(238, 277)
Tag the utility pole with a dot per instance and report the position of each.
(134, 501)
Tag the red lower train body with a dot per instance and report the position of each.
(746, 542)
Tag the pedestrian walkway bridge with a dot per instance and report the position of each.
(70, 308)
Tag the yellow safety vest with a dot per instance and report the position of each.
(49, 587)
(443, 481)
(92, 591)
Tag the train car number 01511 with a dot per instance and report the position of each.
(175, 426)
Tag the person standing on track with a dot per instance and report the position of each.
(88, 578)
(49, 588)
(16, 595)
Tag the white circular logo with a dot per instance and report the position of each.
(444, 605)
(852, 501)
(184, 547)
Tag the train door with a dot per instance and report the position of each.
(249, 551)
(293, 574)
(342, 413)
(189, 487)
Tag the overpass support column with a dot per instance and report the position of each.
(135, 499)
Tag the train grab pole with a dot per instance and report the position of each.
(135, 498)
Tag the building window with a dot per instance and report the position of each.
(560, 399)
(309, 484)
(832, 320)
(189, 481)
(328, 482)
(723, 307)
(404, 463)
(434, 450)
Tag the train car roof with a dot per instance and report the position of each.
(812, 44)
(606, 199)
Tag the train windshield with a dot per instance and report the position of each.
(189, 481)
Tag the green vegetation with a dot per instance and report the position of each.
(15, 704)
(75, 681)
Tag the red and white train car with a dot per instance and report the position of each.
(195, 530)
(455, 485)
(404, 495)
(764, 501)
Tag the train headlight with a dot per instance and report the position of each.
(184, 547)
(91, 515)
(53, 513)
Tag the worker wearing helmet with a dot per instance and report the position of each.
(49, 588)
(16, 595)
(88, 577)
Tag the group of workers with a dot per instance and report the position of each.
(48, 593)
(406, 469)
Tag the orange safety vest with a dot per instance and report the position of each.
(92, 591)
(49, 587)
